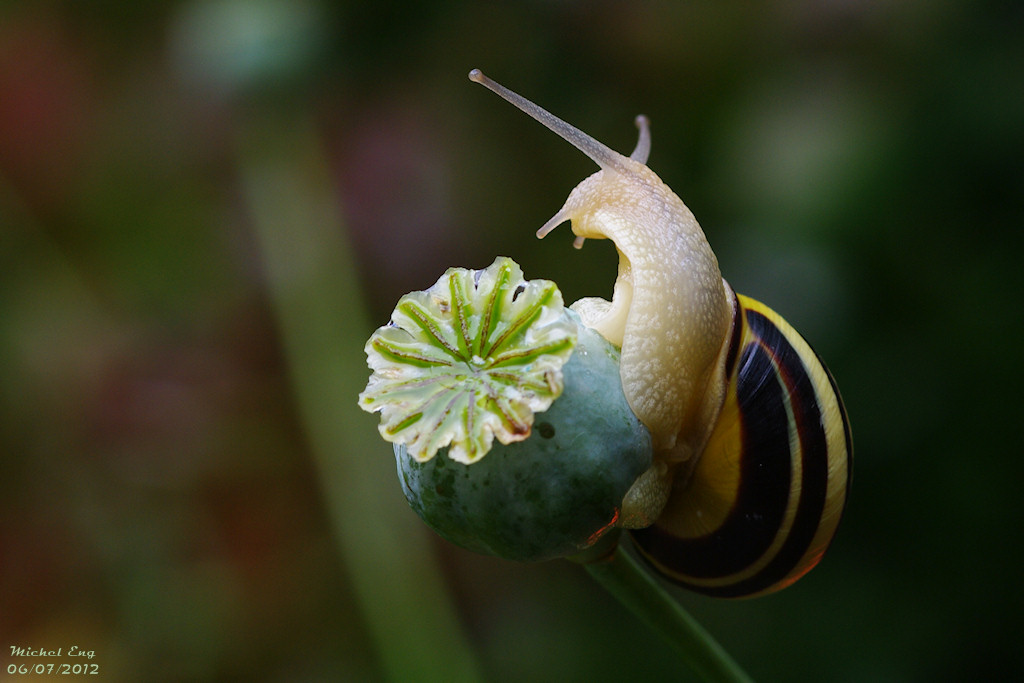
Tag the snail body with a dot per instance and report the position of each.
(752, 448)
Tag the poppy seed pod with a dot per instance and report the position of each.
(486, 355)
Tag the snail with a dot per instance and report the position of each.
(752, 447)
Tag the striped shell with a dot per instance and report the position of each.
(763, 502)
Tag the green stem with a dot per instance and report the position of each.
(315, 298)
(635, 588)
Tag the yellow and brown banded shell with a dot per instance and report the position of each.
(765, 498)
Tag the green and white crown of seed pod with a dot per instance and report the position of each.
(469, 360)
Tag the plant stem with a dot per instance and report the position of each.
(323, 324)
(635, 588)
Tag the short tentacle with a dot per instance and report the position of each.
(643, 143)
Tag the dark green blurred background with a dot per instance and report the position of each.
(180, 495)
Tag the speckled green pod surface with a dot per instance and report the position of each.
(553, 494)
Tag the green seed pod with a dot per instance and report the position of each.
(557, 492)
(484, 355)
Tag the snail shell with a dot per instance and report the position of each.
(763, 501)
